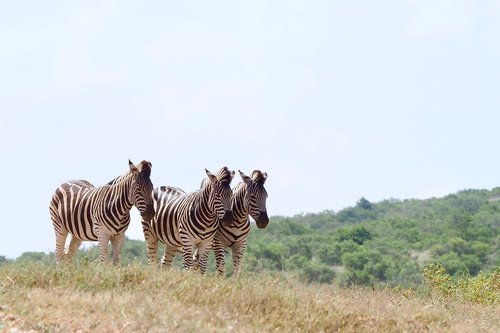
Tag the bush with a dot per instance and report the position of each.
(484, 288)
(318, 272)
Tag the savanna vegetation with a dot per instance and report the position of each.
(411, 265)
(82, 297)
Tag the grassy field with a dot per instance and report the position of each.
(136, 298)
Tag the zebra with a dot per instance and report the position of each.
(186, 220)
(249, 198)
(101, 213)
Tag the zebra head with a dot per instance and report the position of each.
(221, 194)
(256, 196)
(142, 189)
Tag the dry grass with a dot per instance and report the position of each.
(142, 299)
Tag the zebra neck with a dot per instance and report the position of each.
(119, 199)
(203, 203)
(240, 206)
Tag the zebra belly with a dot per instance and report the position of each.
(79, 224)
(167, 232)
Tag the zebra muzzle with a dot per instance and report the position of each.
(262, 221)
(148, 213)
(228, 218)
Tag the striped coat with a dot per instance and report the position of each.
(249, 198)
(101, 213)
(186, 220)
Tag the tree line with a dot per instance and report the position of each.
(387, 242)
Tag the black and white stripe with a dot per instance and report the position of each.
(187, 220)
(101, 213)
(249, 198)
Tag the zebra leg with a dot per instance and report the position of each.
(151, 242)
(74, 244)
(60, 241)
(238, 251)
(203, 250)
(103, 240)
(117, 243)
(187, 249)
(219, 250)
(168, 256)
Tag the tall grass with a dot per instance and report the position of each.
(139, 298)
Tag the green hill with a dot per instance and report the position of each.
(387, 242)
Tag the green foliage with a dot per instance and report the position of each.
(435, 276)
(33, 257)
(364, 204)
(317, 272)
(331, 253)
(484, 288)
(358, 234)
(387, 242)
(3, 260)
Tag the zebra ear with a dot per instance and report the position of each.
(259, 177)
(145, 168)
(133, 168)
(211, 176)
(247, 180)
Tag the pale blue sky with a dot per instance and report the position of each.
(335, 100)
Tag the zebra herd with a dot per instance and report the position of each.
(212, 217)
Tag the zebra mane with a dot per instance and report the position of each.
(117, 179)
(144, 171)
(239, 186)
(224, 175)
